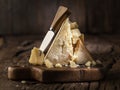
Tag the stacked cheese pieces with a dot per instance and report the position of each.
(68, 49)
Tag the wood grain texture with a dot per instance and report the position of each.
(32, 16)
(116, 15)
(78, 11)
(36, 16)
(52, 75)
(5, 17)
(16, 51)
(102, 16)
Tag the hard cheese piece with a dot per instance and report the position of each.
(36, 57)
(68, 48)
(81, 53)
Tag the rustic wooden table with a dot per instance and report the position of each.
(15, 50)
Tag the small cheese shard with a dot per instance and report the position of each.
(73, 64)
(36, 57)
(48, 63)
(88, 64)
(58, 65)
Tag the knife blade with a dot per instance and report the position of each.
(61, 15)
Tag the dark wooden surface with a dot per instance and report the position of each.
(56, 75)
(15, 50)
(35, 16)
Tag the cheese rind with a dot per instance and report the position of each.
(81, 53)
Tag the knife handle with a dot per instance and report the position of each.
(19, 73)
(61, 15)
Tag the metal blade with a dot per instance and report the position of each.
(46, 41)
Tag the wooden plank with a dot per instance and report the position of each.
(5, 17)
(110, 85)
(114, 72)
(108, 16)
(102, 85)
(117, 85)
(116, 16)
(32, 16)
(94, 86)
(95, 16)
(77, 86)
(84, 86)
(100, 16)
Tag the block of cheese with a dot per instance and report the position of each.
(67, 49)
(36, 57)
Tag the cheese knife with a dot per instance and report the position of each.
(61, 15)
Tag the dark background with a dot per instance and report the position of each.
(35, 16)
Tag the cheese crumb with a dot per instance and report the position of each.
(73, 64)
(93, 63)
(58, 65)
(88, 63)
(48, 63)
(73, 25)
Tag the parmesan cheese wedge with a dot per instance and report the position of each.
(67, 49)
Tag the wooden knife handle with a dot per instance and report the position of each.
(61, 15)
(19, 73)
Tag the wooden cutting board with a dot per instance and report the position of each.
(47, 75)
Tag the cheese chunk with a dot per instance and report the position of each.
(73, 64)
(58, 65)
(62, 48)
(36, 57)
(69, 46)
